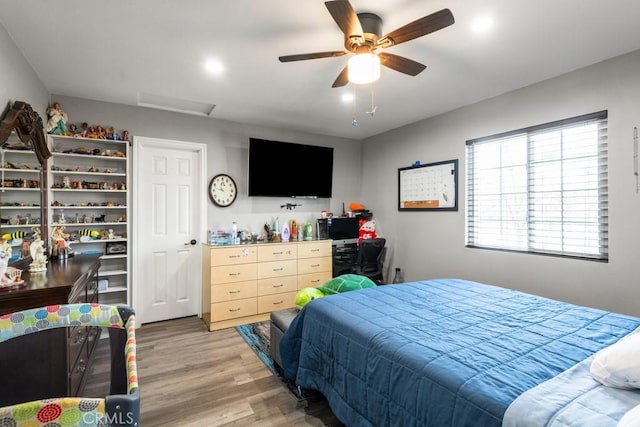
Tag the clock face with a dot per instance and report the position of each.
(222, 190)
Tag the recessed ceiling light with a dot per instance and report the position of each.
(213, 66)
(482, 24)
(347, 97)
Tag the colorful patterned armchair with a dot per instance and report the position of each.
(120, 408)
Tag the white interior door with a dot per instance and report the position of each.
(169, 211)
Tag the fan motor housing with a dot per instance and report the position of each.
(371, 27)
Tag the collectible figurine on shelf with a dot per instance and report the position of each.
(73, 130)
(112, 134)
(92, 132)
(125, 135)
(57, 122)
(84, 131)
(100, 132)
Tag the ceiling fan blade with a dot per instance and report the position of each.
(343, 78)
(418, 28)
(400, 63)
(304, 56)
(346, 18)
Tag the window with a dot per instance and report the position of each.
(541, 189)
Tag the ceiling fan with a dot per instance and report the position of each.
(362, 36)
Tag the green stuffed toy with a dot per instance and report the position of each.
(346, 283)
(337, 285)
(305, 295)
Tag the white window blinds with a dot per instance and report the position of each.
(542, 189)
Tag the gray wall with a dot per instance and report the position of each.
(424, 244)
(18, 81)
(227, 144)
(432, 244)
(227, 151)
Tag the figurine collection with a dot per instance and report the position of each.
(58, 124)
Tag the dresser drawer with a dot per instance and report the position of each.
(277, 252)
(277, 269)
(314, 249)
(233, 273)
(233, 291)
(233, 255)
(314, 265)
(313, 280)
(275, 302)
(232, 309)
(277, 285)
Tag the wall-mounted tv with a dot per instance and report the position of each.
(285, 169)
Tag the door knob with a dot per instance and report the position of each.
(192, 242)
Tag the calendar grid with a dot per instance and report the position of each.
(429, 186)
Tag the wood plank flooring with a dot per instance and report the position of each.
(191, 377)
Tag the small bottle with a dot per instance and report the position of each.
(398, 277)
(308, 231)
(234, 234)
(285, 233)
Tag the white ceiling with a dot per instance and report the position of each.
(120, 50)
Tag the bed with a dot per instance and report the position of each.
(452, 352)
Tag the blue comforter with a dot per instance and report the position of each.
(440, 352)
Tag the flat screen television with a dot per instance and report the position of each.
(285, 169)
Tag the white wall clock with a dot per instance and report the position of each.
(222, 190)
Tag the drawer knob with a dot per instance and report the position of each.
(315, 265)
(79, 337)
(278, 286)
(277, 253)
(234, 292)
(278, 269)
(234, 274)
(278, 302)
(233, 310)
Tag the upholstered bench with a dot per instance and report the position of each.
(280, 321)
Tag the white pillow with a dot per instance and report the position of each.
(619, 364)
(631, 418)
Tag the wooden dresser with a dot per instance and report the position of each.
(50, 363)
(245, 283)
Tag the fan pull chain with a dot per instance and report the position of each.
(354, 117)
(372, 112)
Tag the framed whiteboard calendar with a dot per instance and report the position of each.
(432, 186)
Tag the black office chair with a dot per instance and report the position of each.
(370, 258)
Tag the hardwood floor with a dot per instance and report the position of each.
(191, 377)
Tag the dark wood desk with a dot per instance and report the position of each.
(50, 363)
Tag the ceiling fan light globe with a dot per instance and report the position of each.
(364, 68)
